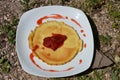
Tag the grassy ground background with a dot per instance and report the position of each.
(105, 14)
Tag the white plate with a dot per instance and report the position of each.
(70, 16)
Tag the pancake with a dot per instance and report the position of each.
(54, 42)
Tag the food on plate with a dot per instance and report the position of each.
(54, 42)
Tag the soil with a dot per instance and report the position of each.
(103, 22)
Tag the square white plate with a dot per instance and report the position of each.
(70, 16)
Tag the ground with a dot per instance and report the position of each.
(104, 16)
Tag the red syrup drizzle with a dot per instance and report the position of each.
(84, 35)
(55, 41)
(66, 17)
(69, 69)
(85, 45)
(35, 48)
(31, 57)
(51, 70)
(81, 31)
(80, 61)
(54, 16)
(73, 20)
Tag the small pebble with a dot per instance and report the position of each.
(117, 59)
(107, 76)
(5, 17)
(12, 54)
(21, 78)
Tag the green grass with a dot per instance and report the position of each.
(51, 2)
(73, 4)
(115, 25)
(25, 1)
(63, 2)
(114, 76)
(97, 75)
(9, 29)
(105, 39)
(115, 13)
(115, 73)
(14, 22)
(12, 36)
(113, 10)
(93, 4)
(85, 78)
(5, 28)
(25, 4)
(26, 7)
(4, 65)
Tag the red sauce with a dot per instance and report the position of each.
(51, 70)
(84, 45)
(81, 31)
(35, 48)
(69, 69)
(84, 35)
(55, 41)
(43, 48)
(31, 57)
(80, 61)
(66, 17)
(73, 20)
(55, 16)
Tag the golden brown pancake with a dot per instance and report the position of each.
(55, 42)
